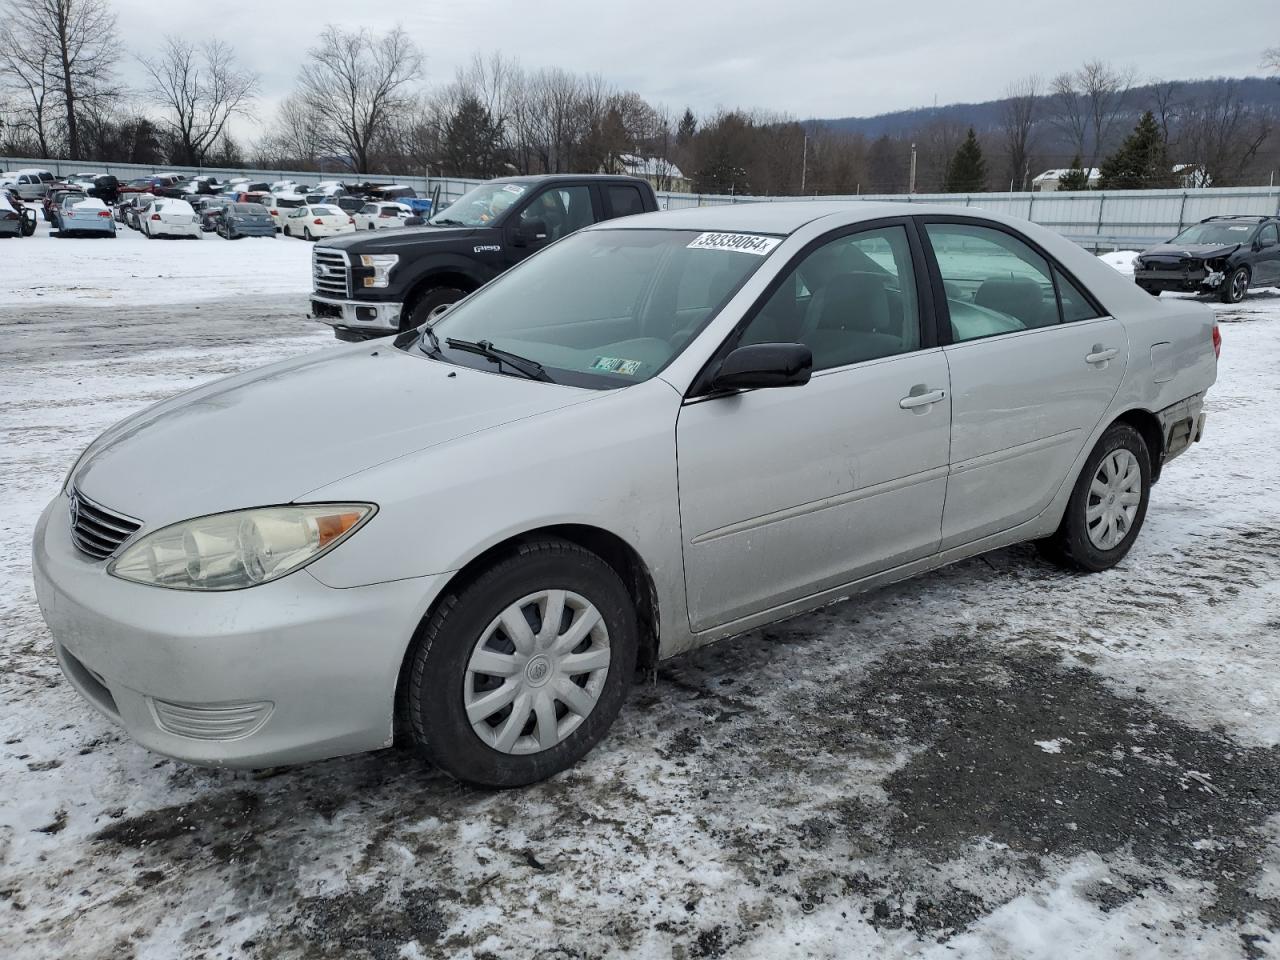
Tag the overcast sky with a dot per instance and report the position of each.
(807, 58)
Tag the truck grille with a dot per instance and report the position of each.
(329, 273)
(97, 531)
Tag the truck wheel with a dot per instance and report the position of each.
(429, 305)
(1235, 286)
(519, 673)
(1107, 506)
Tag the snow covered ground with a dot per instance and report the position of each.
(46, 268)
(996, 760)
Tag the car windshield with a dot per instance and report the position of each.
(1222, 232)
(480, 206)
(601, 308)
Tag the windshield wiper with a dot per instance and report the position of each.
(485, 348)
(434, 349)
(445, 221)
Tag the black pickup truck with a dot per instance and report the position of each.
(370, 284)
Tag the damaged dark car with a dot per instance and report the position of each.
(1222, 255)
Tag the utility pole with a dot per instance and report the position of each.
(804, 164)
(911, 184)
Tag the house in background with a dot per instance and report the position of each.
(1048, 181)
(661, 173)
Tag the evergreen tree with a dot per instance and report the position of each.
(687, 128)
(1141, 163)
(967, 171)
(472, 138)
(1076, 178)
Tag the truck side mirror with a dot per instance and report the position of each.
(531, 231)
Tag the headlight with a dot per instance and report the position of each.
(383, 264)
(230, 551)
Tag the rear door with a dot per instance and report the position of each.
(1034, 362)
(623, 200)
(1266, 269)
(785, 493)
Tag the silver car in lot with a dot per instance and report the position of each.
(658, 432)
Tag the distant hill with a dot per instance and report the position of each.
(984, 117)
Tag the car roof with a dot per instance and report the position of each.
(543, 177)
(782, 217)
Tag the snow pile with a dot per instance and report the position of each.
(1121, 260)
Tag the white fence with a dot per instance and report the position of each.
(1094, 218)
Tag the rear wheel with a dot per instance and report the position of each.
(431, 305)
(1107, 506)
(519, 673)
(1235, 286)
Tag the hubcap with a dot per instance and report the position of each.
(1114, 497)
(537, 672)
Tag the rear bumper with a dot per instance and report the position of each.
(370, 318)
(253, 230)
(1182, 424)
(163, 229)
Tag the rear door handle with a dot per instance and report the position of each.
(1101, 354)
(915, 400)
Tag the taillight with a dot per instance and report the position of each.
(1217, 341)
(318, 222)
(275, 213)
(8, 215)
(104, 213)
(155, 216)
(351, 220)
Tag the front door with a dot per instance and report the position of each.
(548, 215)
(1266, 269)
(788, 492)
(1035, 364)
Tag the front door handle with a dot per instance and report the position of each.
(1101, 354)
(924, 398)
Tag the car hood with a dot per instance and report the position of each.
(408, 237)
(1201, 251)
(272, 435)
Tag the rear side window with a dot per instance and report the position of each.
(1075, 305)
(625, 200)
(995, 283)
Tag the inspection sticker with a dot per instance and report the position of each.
(740, 242)
(616, 365)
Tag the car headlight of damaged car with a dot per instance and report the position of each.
(231, 551)
(382, 264)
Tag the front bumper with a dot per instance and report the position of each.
(1191, 280)
(287, 672)
(369, 317)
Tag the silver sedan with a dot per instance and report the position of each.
(656, 433)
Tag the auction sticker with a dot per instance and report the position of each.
(739, 242)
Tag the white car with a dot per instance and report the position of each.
(33, 184)
(312, 221)
(289, 186)
(168, 217)
(382, 216)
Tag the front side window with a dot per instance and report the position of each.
(602, 309)
(995, 283)
(562, 210)
(852, 299)
(1270, 235)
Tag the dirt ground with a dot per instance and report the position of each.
(999, 759)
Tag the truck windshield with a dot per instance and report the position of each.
(481, 206)
(602, 308)
(1216, 233)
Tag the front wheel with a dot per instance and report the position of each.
(1235, 286)
(1154, 291)
(306, 233)
(519, 673)
(1107, 506)
(431, 305)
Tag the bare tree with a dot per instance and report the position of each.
(1166, 106)
(1087, 105)
(1017, 122)
(200, 88)
(353, 84)
(1271, 59)
(74, 43)
(27, 74)
(1221, 134)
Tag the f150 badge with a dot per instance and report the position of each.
(487, 248)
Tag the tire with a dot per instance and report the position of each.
(306, 234)
(287, 233)
(428, 304)
(1235, 286)
(440, 674)
(1074, 544)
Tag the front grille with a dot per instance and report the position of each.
(329, 273)
(226, 721)
(96, 530)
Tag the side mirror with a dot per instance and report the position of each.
(760, 365)
(532, 231)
